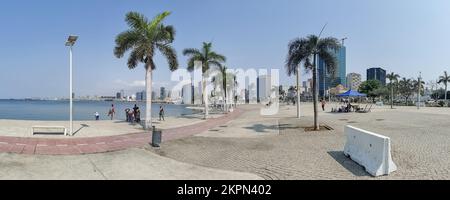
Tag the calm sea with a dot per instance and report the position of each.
(83, 110)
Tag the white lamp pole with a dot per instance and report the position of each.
(70, 42)
(418, 91)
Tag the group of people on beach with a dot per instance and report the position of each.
(133, 115)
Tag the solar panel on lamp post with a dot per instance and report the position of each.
(69, 43)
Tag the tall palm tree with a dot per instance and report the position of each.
(406, 88)
(143, 39)
(417, 85)
(444, 79)
(302, 49)
(208, 58)
(393, 78)
(223, 74)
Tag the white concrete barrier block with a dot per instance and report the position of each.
(371, 150)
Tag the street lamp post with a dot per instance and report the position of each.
(418, 91)
(69, 43)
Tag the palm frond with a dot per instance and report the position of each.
(191, 61)
(157, 20)
(217, 57)
(329, 59)
(191, 52)
(125, 41)
(136, 20)
(171, 56)
(214, 63)
(298, 52)
(329, 43)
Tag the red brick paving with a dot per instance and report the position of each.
(76, 146)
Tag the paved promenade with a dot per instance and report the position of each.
(130, 164)
(420, 144)
(88, 145)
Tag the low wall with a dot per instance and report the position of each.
(371, 150)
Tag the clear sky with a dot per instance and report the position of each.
(403, 36)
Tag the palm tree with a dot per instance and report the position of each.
(444, 79)
(417, 85)
(393, 77)
(208, 58)
(223, 74)
(302, 49)
(406, 88)
(143, 39)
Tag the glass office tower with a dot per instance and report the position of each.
(329, 80)
(377, 74)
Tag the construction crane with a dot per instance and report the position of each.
(343, 40)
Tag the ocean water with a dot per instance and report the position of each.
(83, 110)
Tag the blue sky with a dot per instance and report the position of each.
(402, 36)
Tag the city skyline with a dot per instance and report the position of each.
(387, 39)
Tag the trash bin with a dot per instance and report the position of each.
(156, 137)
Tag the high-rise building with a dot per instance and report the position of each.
(118, 95)
(263, 88)
(325, 80)
(186, 93)
(162, 95)
(153, 95)
(141, 96)
(377, 74)
(353, 81)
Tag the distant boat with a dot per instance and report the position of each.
(177, 102)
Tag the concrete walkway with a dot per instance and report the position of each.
(88, 145)
(131, 164)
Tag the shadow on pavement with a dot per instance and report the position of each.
(348, 164)
(261, 128)
(82, 126)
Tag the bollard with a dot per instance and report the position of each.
(156, 137)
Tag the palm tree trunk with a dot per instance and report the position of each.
(148, 99)
(445, 95)
(205, 96)
(224, 85)
(316, 95)
(298, 92)
(392, 96)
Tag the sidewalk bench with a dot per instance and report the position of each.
(62, 128)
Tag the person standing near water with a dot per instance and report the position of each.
(323, 104)
(127, 110)
(97, 116)
(138, 115)
(112, 112)
(161, 113)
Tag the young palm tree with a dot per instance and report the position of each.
(143, 39)
(406, 88)
(393, 78)
(302, 49)
(208, 58)
(444, 79)
(223, 74)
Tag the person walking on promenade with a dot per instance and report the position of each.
(127, 116)
(137, 115)
(323, 104)
(131, 116)
(135, 112)
(161, 113)
(112, 112)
